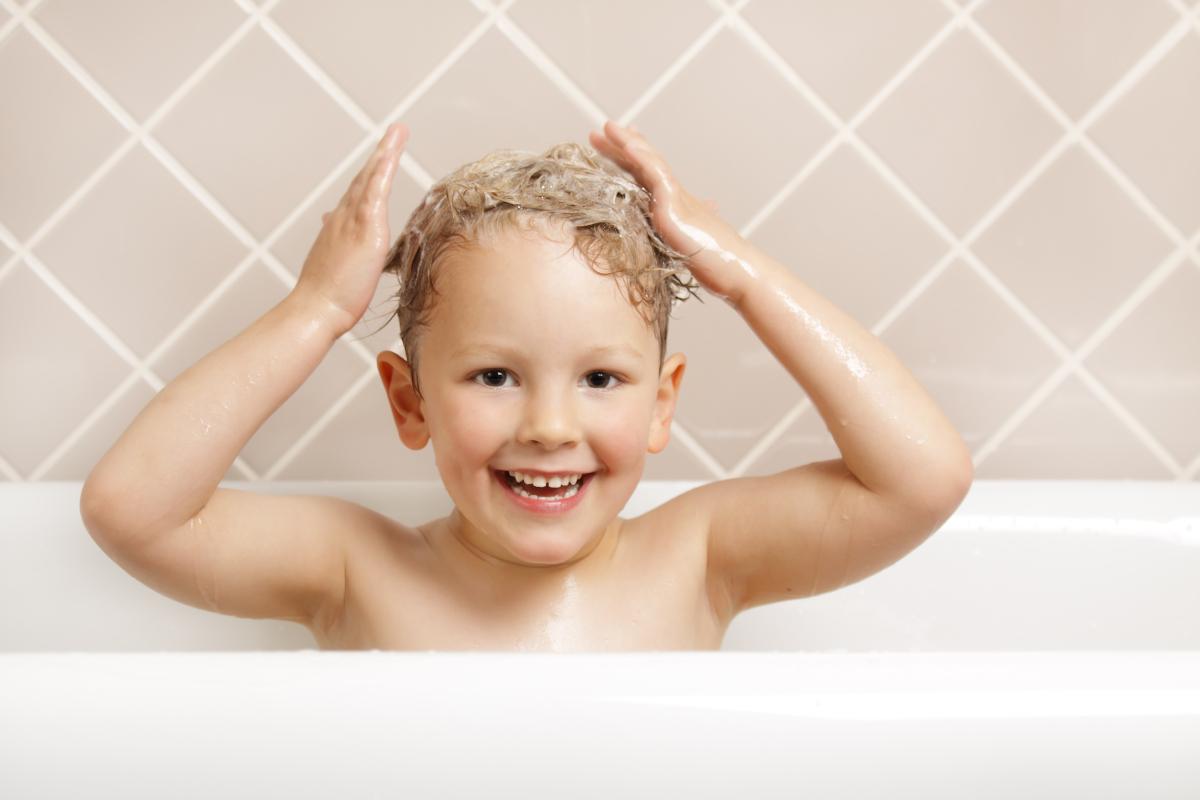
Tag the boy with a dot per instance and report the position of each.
(503, 349)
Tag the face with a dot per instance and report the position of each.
(532, 360)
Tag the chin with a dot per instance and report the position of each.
(543, 550)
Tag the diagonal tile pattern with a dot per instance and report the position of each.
(1007, 193)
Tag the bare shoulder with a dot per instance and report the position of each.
(679, 530)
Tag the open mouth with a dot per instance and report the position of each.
(549, 495)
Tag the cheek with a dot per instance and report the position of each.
(622, 435)
(468, 429)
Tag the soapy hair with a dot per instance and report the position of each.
(514, 189)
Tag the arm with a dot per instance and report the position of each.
(814, 528)
(818, 527)
(893, 437)
(168, 463)
(153, 506)
(152, 502)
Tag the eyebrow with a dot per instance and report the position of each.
(608, 349)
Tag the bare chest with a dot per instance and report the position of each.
(653, 594)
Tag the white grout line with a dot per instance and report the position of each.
(676, 67)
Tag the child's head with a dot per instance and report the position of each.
(525, 268)
(569, 185)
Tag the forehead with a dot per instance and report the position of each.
(520, 284)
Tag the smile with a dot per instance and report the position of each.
(526, 497)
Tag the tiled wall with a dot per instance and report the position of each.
(1006, 193)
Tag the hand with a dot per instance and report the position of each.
(345, 263)
(686, 223)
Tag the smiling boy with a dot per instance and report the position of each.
(536, 340)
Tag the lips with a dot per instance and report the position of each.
(542, 506)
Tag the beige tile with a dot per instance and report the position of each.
(1073, 247)
(734, 390)
(77, 463)
(1151, 363)
(492, 98)
(1152, 131)
(140, 251)
(677, 462)
(116, 40)
(253, 295)
(846, 51)
(54, 369)
(376, 52)
(972, 354)
(1076, 49)
(258, 133)
(611, 60)
(960, 131)
(806, 440)
(55, 140)
(1072, 435)
(361, 443)
(848, 235)
(709, 128)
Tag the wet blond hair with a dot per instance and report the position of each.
(515, 189)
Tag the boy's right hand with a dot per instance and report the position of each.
(344, 265)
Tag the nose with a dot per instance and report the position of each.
(550, 420)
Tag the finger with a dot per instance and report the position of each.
(608, 148)
(381, 182)
(394, 132)
(639, 159)
(629, 141)
(616, 149)
(627, 133)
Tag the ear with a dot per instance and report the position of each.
(664, 404)
(396, 374)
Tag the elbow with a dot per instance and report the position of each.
(99, 507)
(954, 489)
(941, 496)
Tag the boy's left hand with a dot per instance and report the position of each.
(686, 223)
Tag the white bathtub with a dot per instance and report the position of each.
(1044, 643)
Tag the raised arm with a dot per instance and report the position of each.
(152, 501)
(816, 527)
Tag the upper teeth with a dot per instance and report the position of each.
(541, 480)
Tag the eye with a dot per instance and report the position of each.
(606, 374)
(492, 371)
(489, 376)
